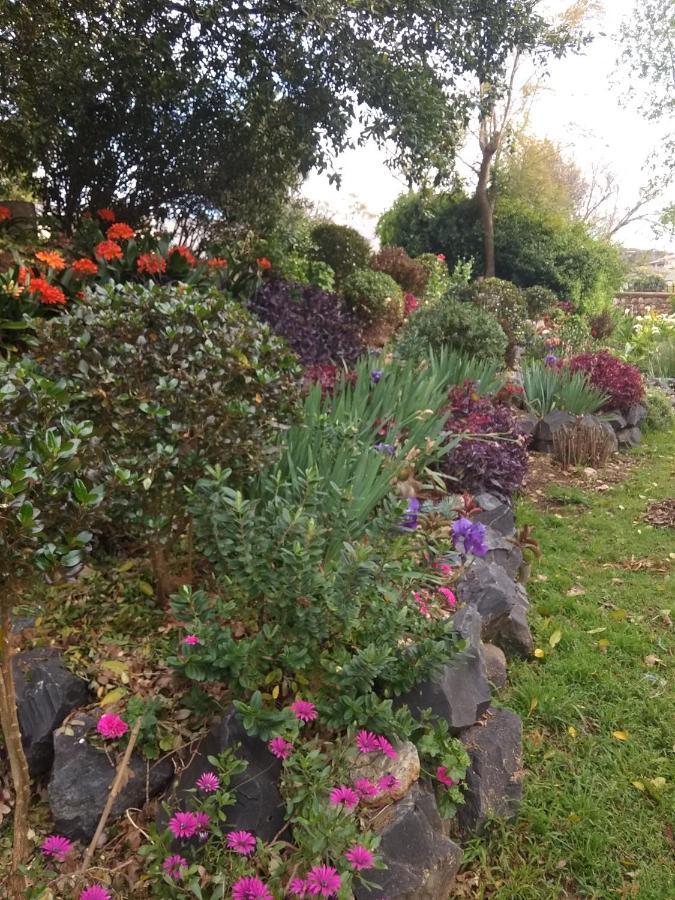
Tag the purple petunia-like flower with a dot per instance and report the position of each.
(304, 710)
(298, 887)
(469, 537)
(175, 866)
(183, 825)
(376, 375)
(208, 782)
(95, 892)
(280, 747)
(409, 520)
(323, 881)
(242, 842)
(360, 857)
(344, 796)
(57, 846)
(249, 888)
(389, 449)
(111, 726)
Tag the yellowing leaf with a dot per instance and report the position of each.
(539, 653)
(115, 665)
(603, 644)
(620, 735)
(638, 785)
(555, 638)
(112, 697)
(572, 731)
(658, 784)
(146, 588)
(652, 660)
(275, 692)
(596, 630)
(574, 818)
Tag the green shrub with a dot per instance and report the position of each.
(646, 280)
(660, 411)
(408, 273)
(373, 297)
(575, 335)
(547, 388)
(539, 300)
(340, 247)
(438, 276)
(506, 303)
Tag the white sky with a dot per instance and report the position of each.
(579, 108)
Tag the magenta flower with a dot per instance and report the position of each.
(443, 777)
(95, 892)
(111, 726)
(450, 598)
(242, 842)
(421, 601)
(388, 783)
(183, 825)
(208, 782)
(360, 857)
(250, 889)
(304, 710)
(365, 788)
(367, 742)
(344, 795)
(175, 866)
(298, 887)
(57, 846)
(385, 747)
(324, 881)
(280, 747)
(203, 820)
(191, 640)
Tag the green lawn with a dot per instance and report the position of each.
(598, 713)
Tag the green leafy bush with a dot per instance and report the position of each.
(406, 272)
(439, 279)
(646, 280)
(548, 387)
(340, 247)
(660, 411)
(373, 297)
(539, 300)
(506, 303)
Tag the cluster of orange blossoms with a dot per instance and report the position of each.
(47, 293)
(108, 250)
(151, 263)
(120, 231)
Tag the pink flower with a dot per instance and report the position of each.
(450, 598)
(298, 887)
(421, 601)
(443, 777)
(367, 742)
(443, 568)
(344, 795)
(208, 782)
(183, 825)
(95, 892)
(304, 710)
(365, 788)
(360, 857)
(386, 748)
(323, 880)
(242, 842)
(250, 889)
(388, 783)
(203, 820)
(440, 257)
(280, 747)
(57, 846)
(175, 866)
(111, 726)
(191, 640)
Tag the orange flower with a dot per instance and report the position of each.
(151, 263)
(108, 250)
(51, 259)
(22, 277)
(217, 262)
(120, 232)
(106, 214)
(85, 267)
(47, 293)
(263, 263)
(185, 252)
(5, 213)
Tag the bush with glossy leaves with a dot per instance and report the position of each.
(539, 300)
(373, 297)
(505, 302)
(340, 247)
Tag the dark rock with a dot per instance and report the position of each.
(493, 780)
(629, 437)
(527, 425)
(460, 692)
(503, 551)
(502, 604)
(615, 419)
(636, 414)
(421, 861)
(82, 777)
(495, 665)
(495, 513)
(258, 806)
(550, 424)
(46, 692)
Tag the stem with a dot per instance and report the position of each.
(159, 568)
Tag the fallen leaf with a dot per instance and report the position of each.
(571, 730)
(603, 644)
(620, 735)
(554, 640)
(112, 697)
(638, 785)
(576, 591)
(146, 588)
(652, 660)
(539, 653)
(115, 665)
(596, 630)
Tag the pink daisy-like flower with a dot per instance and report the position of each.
(298, 887)
(203, 820)
(450, 598)
(250, 889)
(111, 726)
(57, 846)
(365, 788)
(280, 747)
(183, 825)
(95, 892)
(385, 747)
(422, 605)
(443, 568)
(360, 857)
(208, 782)
(443, 777)
(367, 742)
(191, 640)
(344, 795)
(304, 710)
(242, 842)
(388, 783)
(175, 866)
(323, 881)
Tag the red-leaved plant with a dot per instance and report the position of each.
(619, 380)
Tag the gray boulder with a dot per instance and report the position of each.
(548, 426)
(495, 513)
(616, 419)
(636, 414)
(258, 806)
(629, 437)
(503, 551)
(495, 665)
(421, 861)
(46, 692)
(82, 777)
(501, 603)
(494, 776)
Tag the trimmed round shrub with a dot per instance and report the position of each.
(539, 300)
(374, 297)
(406, 272)
(317, 325)
(438, 276)
(448, 323)
(340, 247)
(621, 382)
(506, 303)
(660, 411)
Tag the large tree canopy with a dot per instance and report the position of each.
(217, 105)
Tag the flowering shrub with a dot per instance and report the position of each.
(619, 381)
(316, 325)
(408, 273)
(495, 459)
(340, 247)
(373, 297)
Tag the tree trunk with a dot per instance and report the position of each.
(486, 212)
(17, 759)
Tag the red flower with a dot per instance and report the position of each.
(440, 257)
(217, 262)
(120, 232)
(108, 250)
(85, 267)
(22, 277)
(5, 213)
(410, 304)
(47, 293)
(263, 263)
(151, 263)
(185, 252)
(106, 214)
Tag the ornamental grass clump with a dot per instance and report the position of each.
(549, 386)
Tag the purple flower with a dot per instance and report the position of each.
(175, 866)
(550, 359)
(280, 747)
(250, 889)
(389, 449)
(242, 842)
(409, 520)
(376, 374)
(95, 892)
(360, 857)
(183, 825)
(365, 788)
(57, 846)
(344, 795)
(324, 881)
(388, 783)
(469, 537)
(208, 782)
(298, 887)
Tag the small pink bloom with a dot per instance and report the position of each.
(344, 795)
(450, 598)
(208, 782)
(250, 889)
(191, 640)
(183, 825)
(203, 820)
(111, 726)
(365, 788)
(57, 846)
(443, 777)
(360, 857)
(242, 842)
(175, 866)
(367, 742)
(443, 568)
(440, 257)
(280, 747)
(386, 748)
(298, 887)
(421, 601)
(95, 892)
(388, 783)
(304, 710)
(324, 881)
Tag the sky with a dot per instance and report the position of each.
(579, 108)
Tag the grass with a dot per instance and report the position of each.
(597, 709)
